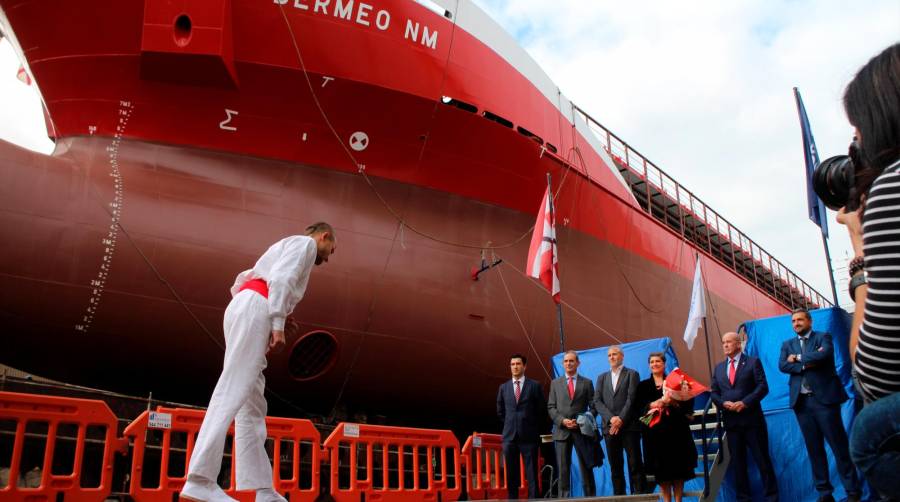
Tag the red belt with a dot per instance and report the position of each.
(257, 285)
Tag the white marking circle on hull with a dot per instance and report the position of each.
(359, 141)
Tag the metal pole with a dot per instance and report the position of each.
(562, 336)
(830, 271)
(708, 353)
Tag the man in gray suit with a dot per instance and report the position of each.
(570, 396)
(615, 402)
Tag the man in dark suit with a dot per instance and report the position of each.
(738, 385)
(816, 397)
(570, 396)
(614, 400)
(520, 406)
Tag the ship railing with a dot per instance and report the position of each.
(678, 208)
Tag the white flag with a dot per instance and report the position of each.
(698, 308)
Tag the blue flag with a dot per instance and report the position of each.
(817, 210)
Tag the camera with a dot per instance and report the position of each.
(834, 180)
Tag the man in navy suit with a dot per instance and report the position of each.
(816, 397)
(521, 407)
(738, 385)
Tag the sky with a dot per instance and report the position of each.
(703, 89)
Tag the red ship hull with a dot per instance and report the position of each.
(174, 170)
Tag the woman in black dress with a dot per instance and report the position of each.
(669, 451)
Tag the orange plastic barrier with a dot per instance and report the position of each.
(288, 437)
(393, 464)
(81, 418)
(485, 468)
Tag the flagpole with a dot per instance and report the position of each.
(830, 270)
(705, 330)
(817, 212)
(708, 353)
(562, 335)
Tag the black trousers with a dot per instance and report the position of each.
(529, 452)
(818, 423)
(756, 439)
(585, 453)
(616, 447)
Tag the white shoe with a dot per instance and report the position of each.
(204, 491)
(269, 495)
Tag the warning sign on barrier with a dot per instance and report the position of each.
(159, 420)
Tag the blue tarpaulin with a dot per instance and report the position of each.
(786, 446)
(593, 363)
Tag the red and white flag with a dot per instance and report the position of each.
(542, 258)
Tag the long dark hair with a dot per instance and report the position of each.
(872, 103)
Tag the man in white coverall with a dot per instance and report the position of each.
(262, 298)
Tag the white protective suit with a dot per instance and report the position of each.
(238, 396)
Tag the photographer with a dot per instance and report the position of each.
(872, 217)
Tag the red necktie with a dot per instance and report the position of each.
(518, 391)
(571, 387)
(731, 371)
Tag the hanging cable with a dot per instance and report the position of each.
(365, 331)
(711, 304)
(361, 170)
(609, 249)
(182, 303)
(566, 304)
(522, 324)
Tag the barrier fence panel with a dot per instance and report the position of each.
(56, 448)
(393, 464)
(163, 442)
(485, 468)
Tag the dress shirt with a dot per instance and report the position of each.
(614, 374)
(736, 359)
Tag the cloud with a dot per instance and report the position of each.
(21, 118)
(704, 90)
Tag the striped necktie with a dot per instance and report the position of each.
(518, 390)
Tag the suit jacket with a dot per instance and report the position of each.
(816, 365)
(749, 387)
(521, 419)
(561, 406)
(619, 403)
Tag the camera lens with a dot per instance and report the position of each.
(833, 180)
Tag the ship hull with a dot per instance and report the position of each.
(174, 169)
(407, 316)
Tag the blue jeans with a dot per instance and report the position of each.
(875, 444)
